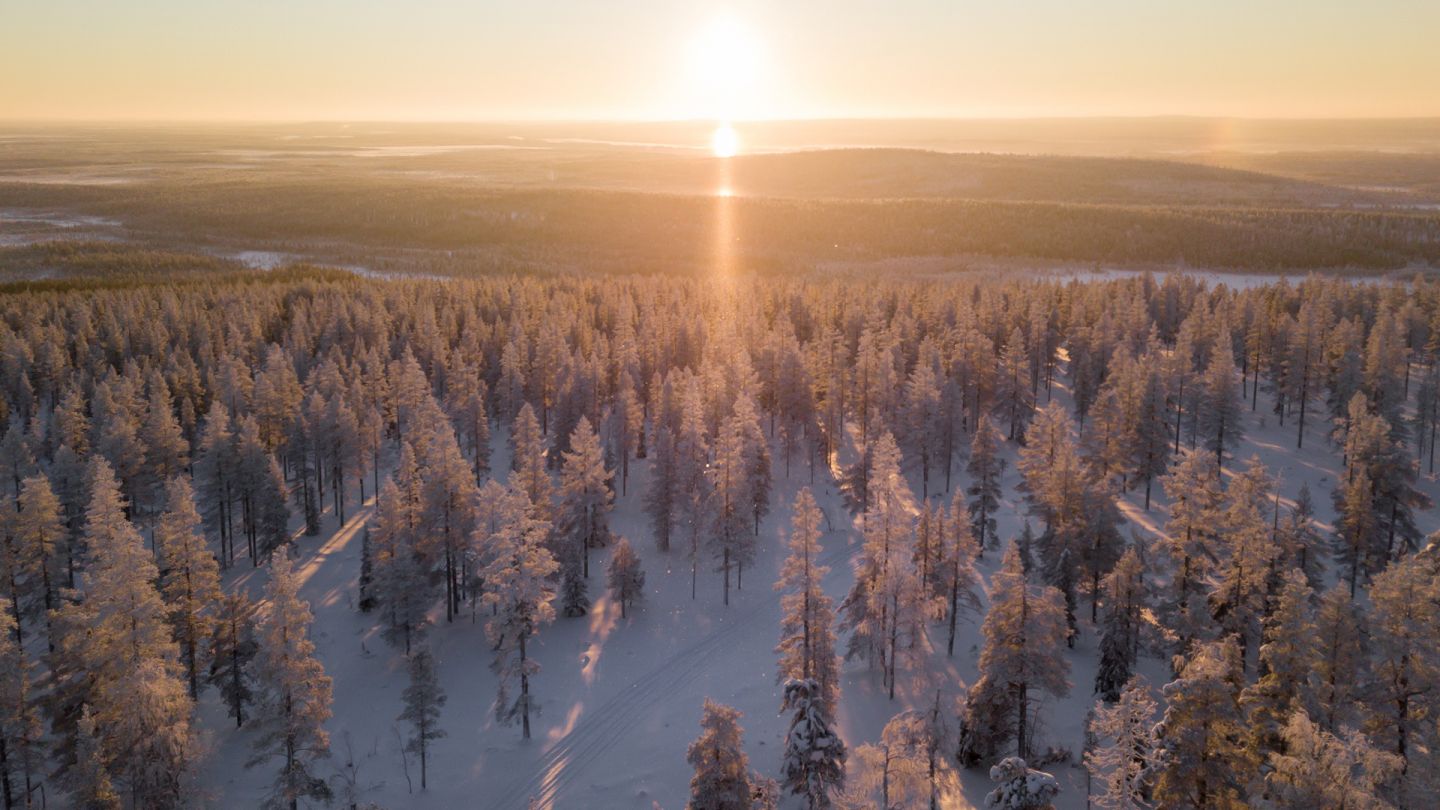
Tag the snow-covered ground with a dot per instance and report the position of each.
(621, 698)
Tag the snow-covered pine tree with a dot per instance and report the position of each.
(22, 757)
(294, 692)
(1219, 424)
(89, 782)
(626, 577)
(527, 460)
(582, 515)
(731, 540)
(1125, 600)
(807, 636)
(120, 649)
(756, 465)
(1404, 623)
(1300, 542)
(1203, 761)
(37, 531)
(189, 578)
(1019, 787)
(232, 653)
(1124, 762)
(1359, 544)
(1239, 586)
(423, 700)
(214, 474)
(1190, 543)
(519, 592)
(985, 468)
(1339, 672)
(1014, 396)
(956, 567)
(723, 779)
(1022, 654)
(1287, 657)
(403, 585)
(813, 763)
(887, 608)
(923, 420)
(1317, 769)
(448, 497)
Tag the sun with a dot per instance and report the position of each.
(724, 141)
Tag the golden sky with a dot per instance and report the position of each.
(648, 59)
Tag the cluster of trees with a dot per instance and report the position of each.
(206, 414)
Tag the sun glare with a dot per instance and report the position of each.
(726, 67)
(724, 142)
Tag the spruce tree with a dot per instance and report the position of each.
(813, 763)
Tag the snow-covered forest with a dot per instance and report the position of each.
(568, 541)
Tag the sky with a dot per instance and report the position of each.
(654, 60)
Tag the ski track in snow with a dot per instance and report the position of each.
(597, 731)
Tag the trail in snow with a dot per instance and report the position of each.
(596, 731)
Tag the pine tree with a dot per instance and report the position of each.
(1124, 763)
(585, 504)
(294, 693)
(1021, 657)
(1336, 679)
(122, 657)
(89, 782)
(626, 578)
(888, 605)
(448, 512)
(232, 652)
(985, 468)
(527, 459)
(1358, 546)
(1190, 542)
(37, 531)
(521, 597)
(730, 537)
(813, 764)
(1404, 623)
(1014, 396)
(1124, 589)
(1287, 657)
(1240, 584)
(956, 567)
(21, 736)
(403, 585)
(423, 701)
(1317, 769)
(1204, 763)
(1220, 407)
(723, 779)
(190, 577)
(807, 637)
